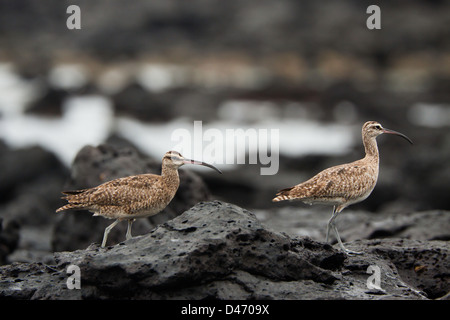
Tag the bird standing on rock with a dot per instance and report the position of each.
(343, 185)
(132, 197)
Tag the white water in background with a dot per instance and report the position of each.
(430, 115)
(86, 120)
(296, 137)
(90, 120)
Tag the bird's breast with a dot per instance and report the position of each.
(156, 202)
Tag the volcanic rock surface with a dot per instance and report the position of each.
(219, 250)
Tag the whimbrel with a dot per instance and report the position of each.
(343, 185)
(132, 197)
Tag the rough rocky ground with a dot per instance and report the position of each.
(219, 250)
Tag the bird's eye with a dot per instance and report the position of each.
(378, 127)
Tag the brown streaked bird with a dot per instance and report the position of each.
(343, 185)
(132, 197)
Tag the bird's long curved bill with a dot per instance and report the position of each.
(189, 161)
(398, 134)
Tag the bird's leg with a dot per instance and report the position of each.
(130, 222)
(347, 251)
(107, 230)
(332, 224)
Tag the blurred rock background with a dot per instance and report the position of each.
(139, 70)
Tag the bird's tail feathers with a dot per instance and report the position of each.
(68, 207)
(72, 192)
(283, 194)
(73, 197)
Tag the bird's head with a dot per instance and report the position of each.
(373, 129)
(175, 159)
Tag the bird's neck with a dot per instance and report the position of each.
(371, 147)
(170, 175)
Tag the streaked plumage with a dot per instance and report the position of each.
(131, 197)
(342, 185)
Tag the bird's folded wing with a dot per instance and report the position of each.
(335, 182)
(117, 192)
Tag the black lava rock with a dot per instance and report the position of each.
(219, 250)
